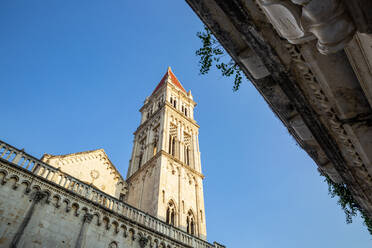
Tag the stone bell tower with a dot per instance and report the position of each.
(164, 177)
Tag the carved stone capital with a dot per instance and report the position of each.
(300, 21)
(285, 16)
(329, 22)
(143, 241)
(38, 196)
(87, 218)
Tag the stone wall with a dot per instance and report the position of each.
(36, 212)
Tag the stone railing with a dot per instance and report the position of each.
(21, 159)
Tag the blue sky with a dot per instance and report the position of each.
(73, 75)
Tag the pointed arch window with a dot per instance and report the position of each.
(171, 214)
(187, 148)
(172, 145)
(190, 223)
(173, 140)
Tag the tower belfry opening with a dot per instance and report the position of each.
(164, 175)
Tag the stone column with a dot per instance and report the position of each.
(194, 152)
(181, 154)
(197, 153)
(17, 237)
(134, 155)
(197, 208)
(179, 198)
(148, 145)
(164, 127)
(81, 238)
(142, 188)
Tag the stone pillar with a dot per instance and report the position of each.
(142, 188)
(179, 198)
(81, 238)
(182, 145)
(194, 152)
(197, 208)
(133, 159)
(148, 145)
(17, 237)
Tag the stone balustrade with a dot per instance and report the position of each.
(19, 158)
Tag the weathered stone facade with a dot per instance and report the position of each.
(81, 200)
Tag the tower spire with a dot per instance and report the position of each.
(169, 76)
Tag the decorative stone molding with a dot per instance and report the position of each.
(336, 126)
(143, 241)
(300, 21)
(329, 22)
(286, 18)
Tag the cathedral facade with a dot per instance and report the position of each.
(82, 200)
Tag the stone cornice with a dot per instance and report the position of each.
(182, 115)
(145, 123)
(157, 155)
(145, 166)
(149, 120)
(187, 167)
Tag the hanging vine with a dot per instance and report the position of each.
(347, 202)
(212, 53)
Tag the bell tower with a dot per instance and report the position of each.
(164, 176)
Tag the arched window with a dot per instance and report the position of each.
(175, 103)
(172, 145)
(186, 111)
(171, 214)
(190, 223)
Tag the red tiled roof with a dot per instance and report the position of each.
(173, 79)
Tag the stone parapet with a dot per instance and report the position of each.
(42, 207)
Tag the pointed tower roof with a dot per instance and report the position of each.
(169, 75)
